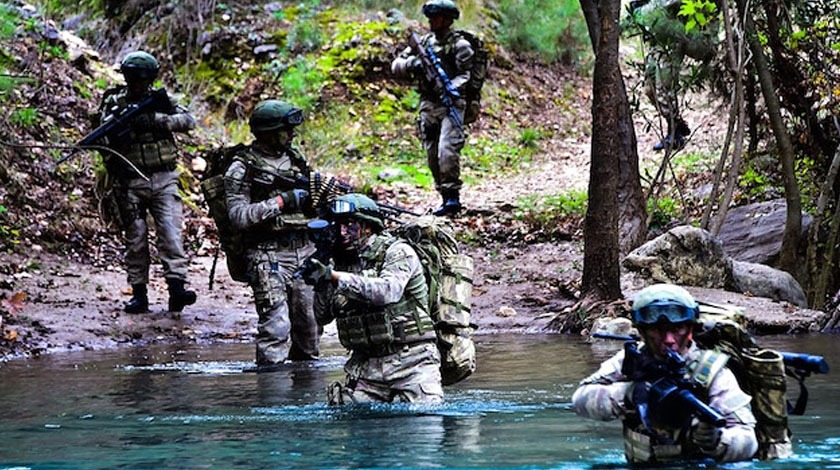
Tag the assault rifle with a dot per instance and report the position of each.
(433, 70)
(118, 127)
(667, 394)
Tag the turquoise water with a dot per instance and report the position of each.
(199, 407)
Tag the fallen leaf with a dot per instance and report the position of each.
(11, 335)
(15, 304)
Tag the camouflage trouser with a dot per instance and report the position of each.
(284, 305)
(662, 81)
(411, 375)
(443, 142)
(158, 196)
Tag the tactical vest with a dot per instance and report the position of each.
(445, 51)
(150, 151)
(641, 447)
(382, 330)
(268, 181)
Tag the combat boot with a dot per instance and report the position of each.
(451, 204)
(178, 296)
(139, 302)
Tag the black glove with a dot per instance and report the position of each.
(706, 436)
(314, 272)
(638, 366)
(143, 123)
(295, 199)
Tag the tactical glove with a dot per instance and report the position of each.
(294, 199)
(315, 272)
(706, 436)
(144, 123)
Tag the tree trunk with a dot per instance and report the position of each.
(601, 271)
(631, 199)
(793, 224)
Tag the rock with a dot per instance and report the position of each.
(505, 311)
(613, 326)
(764, 281)
(753, 232)
(684, 255)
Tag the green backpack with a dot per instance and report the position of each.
(478, 75)
(213, 188)
(760, 373)
(449, 277)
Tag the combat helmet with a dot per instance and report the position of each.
(271, 115)
(441, 7)
(664, 303)
(139, 64)
(357, 206)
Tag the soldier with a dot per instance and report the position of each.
(442, 138)
(265, 205)
(377, 294)
(669, 44)
(150, 146)
(626, 386)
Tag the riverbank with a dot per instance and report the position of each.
(70, 306)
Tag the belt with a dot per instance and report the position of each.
(281, 241)
(393, 348)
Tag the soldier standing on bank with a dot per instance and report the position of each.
(150, 147)
(626, 387)
(377, 294)
(264, 204)
(442, 137)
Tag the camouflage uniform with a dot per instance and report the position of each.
(276, 244)
(603, 396)
(441, 137)
(382, 316)
(154, 153)
(669, 44)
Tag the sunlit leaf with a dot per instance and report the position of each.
(14, 305)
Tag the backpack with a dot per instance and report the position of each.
(478, 74)
(449, 278)
(213, 188)
(760, 373)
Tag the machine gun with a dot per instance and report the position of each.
(434, 72)
(321, 190)
(118, 127)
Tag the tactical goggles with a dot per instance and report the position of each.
(664, 312)
(294, 117)
(341, 207)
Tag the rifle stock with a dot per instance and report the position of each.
(434, 72)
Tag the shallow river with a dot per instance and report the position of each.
(199, 407)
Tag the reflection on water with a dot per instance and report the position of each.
(201, 407)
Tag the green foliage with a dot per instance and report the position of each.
(54, 51)
(8, 234)
(753, 181)
(697, 14)
(549, 29)
(662, 211)
(548, 213)
(302, 83)
(529, 137)
(24, 117)
(9, 20)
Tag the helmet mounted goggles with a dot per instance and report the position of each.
(664, 311)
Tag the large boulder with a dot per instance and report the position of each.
(690, 256)
(764, 281)
(754, 232)
(684, 255)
